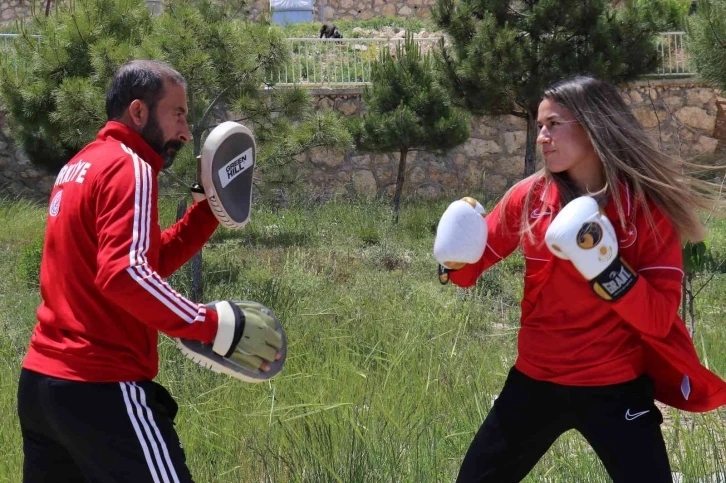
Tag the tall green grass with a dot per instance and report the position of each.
(389, 374)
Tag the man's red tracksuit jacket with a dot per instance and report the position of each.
(570, 336)
(104, 297)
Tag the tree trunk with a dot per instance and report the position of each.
(197, 288)
(197, 143)
(400, 179)
(684, 298)
(530, 156)
(691, 313)
(197, 282)
(181, 208)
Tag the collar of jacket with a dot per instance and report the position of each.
(133, 140)
(551, 198)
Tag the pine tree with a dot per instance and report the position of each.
(504, 53)
(53, 86)
(226, 61)
(407, 109)
(56, 99)
(707, 41)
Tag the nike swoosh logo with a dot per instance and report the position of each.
(630, 417)
(536, 213)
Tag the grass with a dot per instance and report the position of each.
(389, 374)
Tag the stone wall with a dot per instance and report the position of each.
(683, 115)
(689, 118)
(365, 9)
(491, 160)
(10, 10)
(18, 177)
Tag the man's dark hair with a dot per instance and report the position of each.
(139, 79)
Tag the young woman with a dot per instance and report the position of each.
(601, 228)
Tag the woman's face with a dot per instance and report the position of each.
(565, 144)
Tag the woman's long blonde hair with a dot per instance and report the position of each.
(628, 154)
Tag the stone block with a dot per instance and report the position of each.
(480, 147)
(46, 184)
(472, 177)
(428, 191)
(495, 184)
(326, 102)
(449, 180)
(363, 161)
(417, 175)
(696, 117)
(460, 160)
(700, 96)
(673, 101)
(645, 116)
(511, 167)
(347, 107)
(705, 144)
(513, 121)
(480, 129)
(331, 158)
(513, 141)
(389, 9)
(384, 159)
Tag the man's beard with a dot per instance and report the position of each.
(154, 137)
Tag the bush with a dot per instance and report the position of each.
(29, 266)
(56, 99)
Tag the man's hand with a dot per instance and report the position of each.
(582, 234)
(247, 334)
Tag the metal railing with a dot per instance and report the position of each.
(336, 62)
(155, 6)
(339, 62)
(6, 41)
(673, 55)
(6, 47)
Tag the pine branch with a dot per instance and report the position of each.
(200, 129)
(75, 24)
(716, 36)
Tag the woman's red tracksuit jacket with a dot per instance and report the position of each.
(571, 336)
(105, 257)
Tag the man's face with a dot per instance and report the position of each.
(166, 129)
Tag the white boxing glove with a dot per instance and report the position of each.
(461, 235)
(582, 234)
